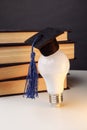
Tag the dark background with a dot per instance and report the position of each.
(34, 15)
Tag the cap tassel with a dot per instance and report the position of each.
(31, 86)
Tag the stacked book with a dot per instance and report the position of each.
(15, 59)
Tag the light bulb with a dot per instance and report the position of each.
(54, 69)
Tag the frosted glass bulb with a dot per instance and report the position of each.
(54, 69)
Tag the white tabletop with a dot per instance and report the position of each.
(18, 113)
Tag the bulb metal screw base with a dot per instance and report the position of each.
(56, 99)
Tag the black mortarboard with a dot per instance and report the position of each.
(45, 41)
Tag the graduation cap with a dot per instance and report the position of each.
(45, 41)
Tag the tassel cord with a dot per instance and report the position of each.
(31, 90)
